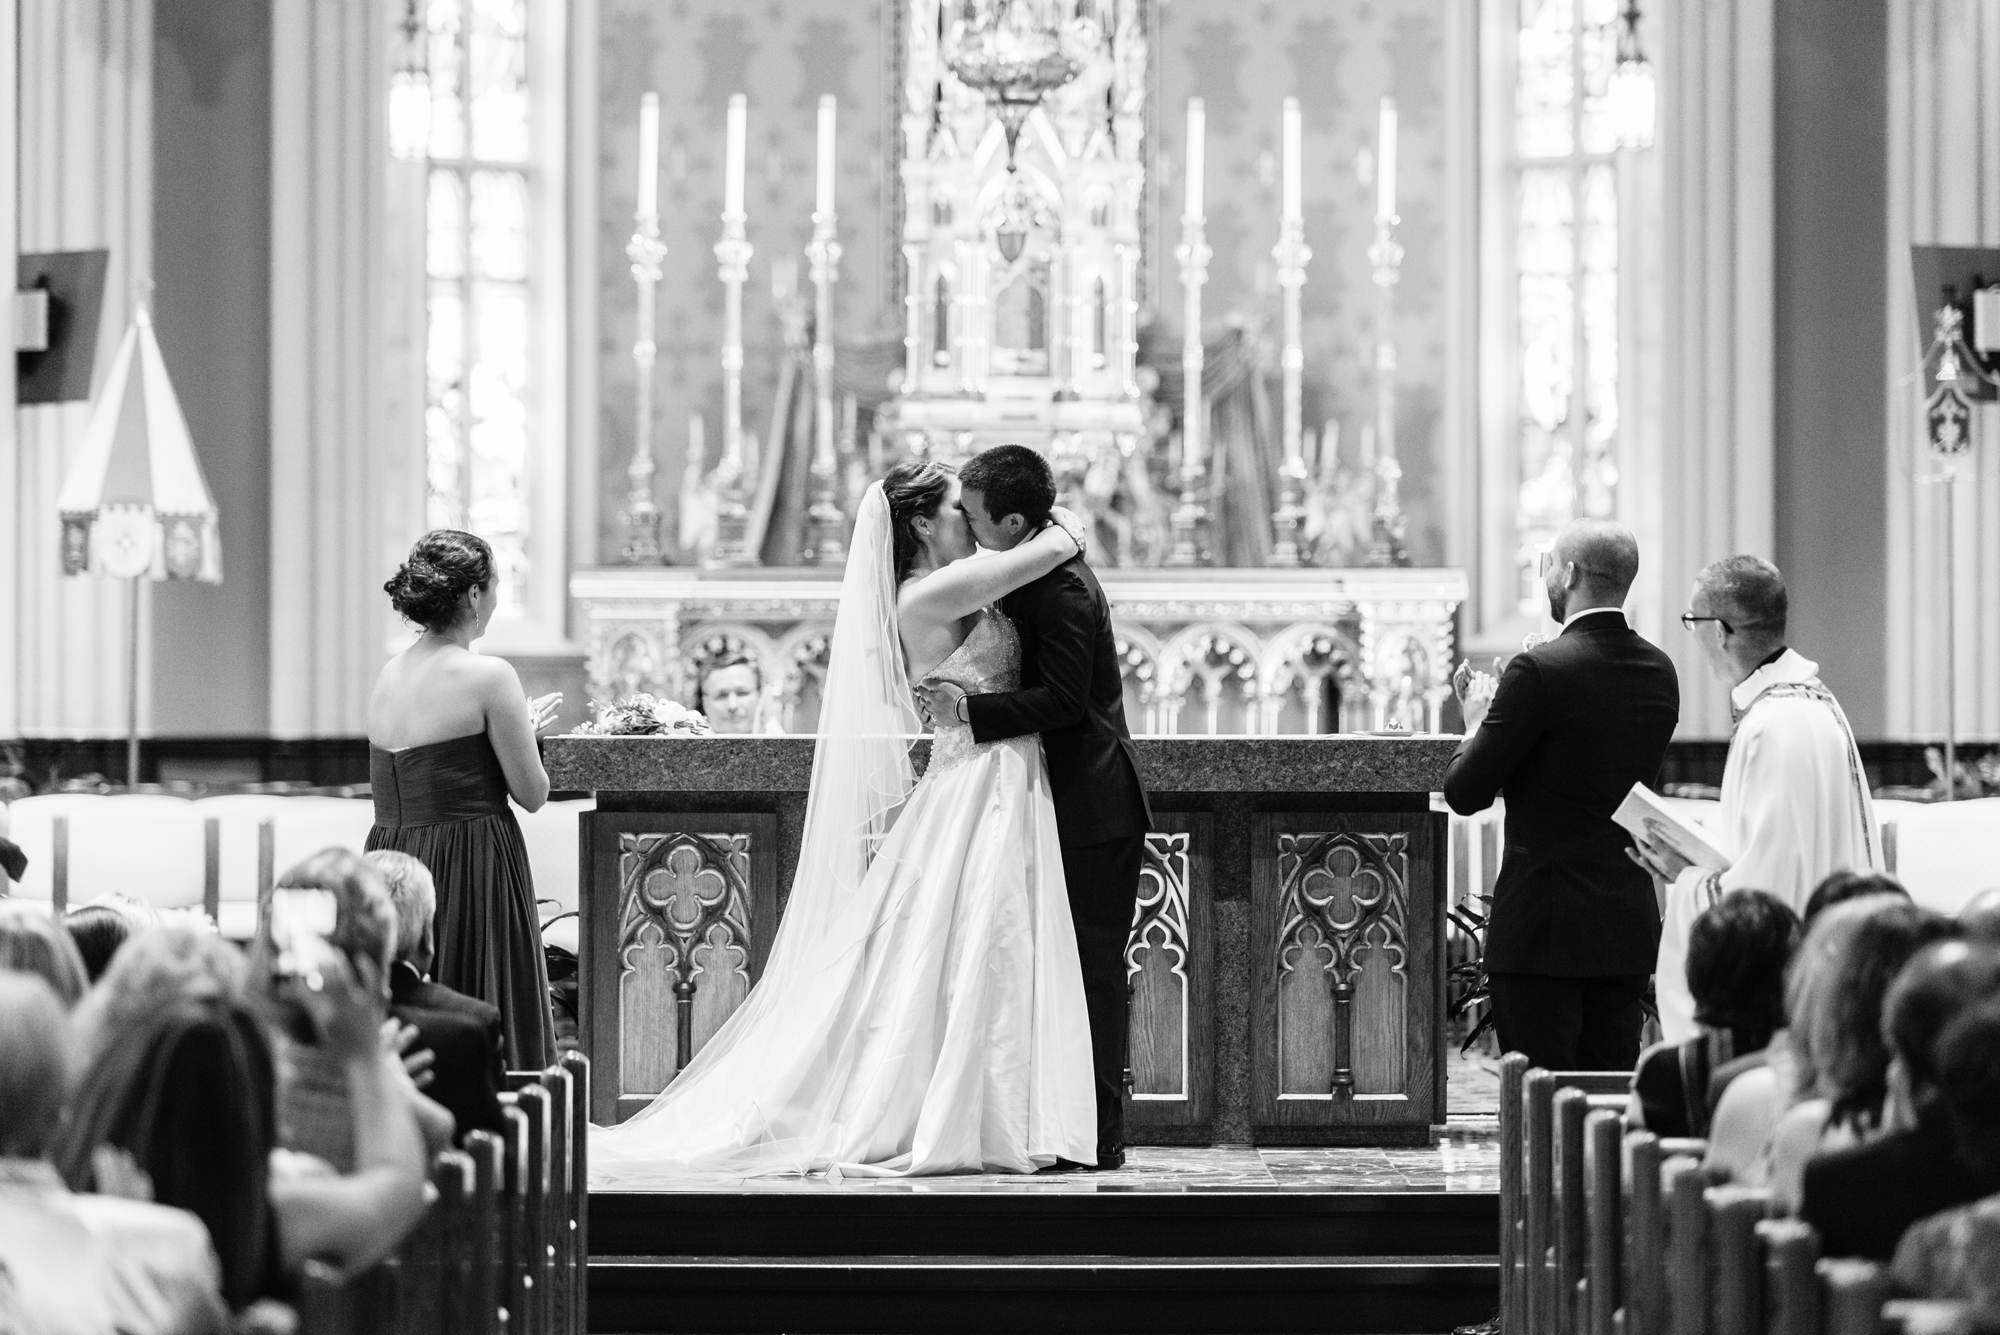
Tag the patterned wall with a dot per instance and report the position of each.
(1243, 56)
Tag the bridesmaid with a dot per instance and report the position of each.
(451, 737)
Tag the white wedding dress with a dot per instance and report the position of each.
(922, 1011)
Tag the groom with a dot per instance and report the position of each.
(1070, 694)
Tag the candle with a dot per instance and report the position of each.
(824, 201)
(1294, 162)
(1385, 163)
(732, 172)
(649, 156)
(1329, 449)
(1196, 126)
(697, 451)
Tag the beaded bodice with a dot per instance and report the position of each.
(989, 659)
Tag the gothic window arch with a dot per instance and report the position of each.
(1554, 352)
(493, 430)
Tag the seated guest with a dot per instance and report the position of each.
(98, 930)
(33, 942)
(1862, 1199)
(1770, 1121)
(1845, 885)
(1795, 803)
(463, 1033)
(313, 1109)
(1980, 918)
(731, 695)
(1955, 1254)
(13, 862)
(81, 1263)
(1737, 953)
(178, 1074)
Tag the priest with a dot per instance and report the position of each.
(1795, 803)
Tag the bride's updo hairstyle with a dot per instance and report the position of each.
(444, 566)
(914, 490)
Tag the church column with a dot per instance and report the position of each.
(83, 179)
(1716, 284)
(338, 422)
(1943, 189)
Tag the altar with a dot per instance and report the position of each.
(1286, 958)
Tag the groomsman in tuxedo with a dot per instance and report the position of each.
(1563, 735)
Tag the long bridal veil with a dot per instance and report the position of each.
(745, 1103)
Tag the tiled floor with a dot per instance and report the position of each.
(1465, 1158)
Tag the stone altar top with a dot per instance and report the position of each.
(1285, 764)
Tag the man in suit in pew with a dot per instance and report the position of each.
(1563, 735)
(464, 1034)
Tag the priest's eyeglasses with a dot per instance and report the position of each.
(1690, 620)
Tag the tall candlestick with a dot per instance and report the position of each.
(732, 266)
(1386, 257)
(823, 199)
(1197, 122)
(647, 252)
(649, 156)
(1385, 162)
(823, 517)
(732, 168)
(1294, 161)
(1191, 524)
(1291, 255)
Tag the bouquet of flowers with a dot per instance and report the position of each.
(646, 715)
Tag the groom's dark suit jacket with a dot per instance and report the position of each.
(1071, 694)
(1575, 724)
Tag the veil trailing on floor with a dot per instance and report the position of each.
(718, 1116)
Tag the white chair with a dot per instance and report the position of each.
(1946, 852)
(146, 845)
(551, 835)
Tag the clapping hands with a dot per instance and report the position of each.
(1475, 691)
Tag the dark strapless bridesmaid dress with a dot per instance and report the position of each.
(445, 804)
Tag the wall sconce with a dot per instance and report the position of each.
(1631, 93)
(410, 90)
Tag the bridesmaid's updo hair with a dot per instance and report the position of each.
(914, 490)
(444, 566)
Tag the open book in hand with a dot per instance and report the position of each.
(1652, 821)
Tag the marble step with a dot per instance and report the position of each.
(1135, 1223)
(1106, 1295)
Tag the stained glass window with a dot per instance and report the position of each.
(1565, 282)
(477, 262)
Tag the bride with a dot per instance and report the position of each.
(923, 1008)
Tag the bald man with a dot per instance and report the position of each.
(1795, 804)
(1563, 735)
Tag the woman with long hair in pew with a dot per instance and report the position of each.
(1826, 1085)
(1932, 1154)
(179, 1085)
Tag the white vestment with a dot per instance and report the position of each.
(1795, 809)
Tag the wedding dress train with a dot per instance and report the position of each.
(928, 1019)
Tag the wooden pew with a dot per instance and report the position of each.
(578, 1066)
(1542, 1213)
(486, 1267)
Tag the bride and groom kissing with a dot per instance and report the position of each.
(946, 992)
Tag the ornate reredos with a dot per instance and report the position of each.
(1021, 290)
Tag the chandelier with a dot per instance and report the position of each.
(1016, 52)
(1631, 94)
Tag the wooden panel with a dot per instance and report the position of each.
(1170, 966)
(683, 908)
(1345, 971)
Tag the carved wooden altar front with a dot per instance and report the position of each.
(1260, 652)
(1285, 957)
